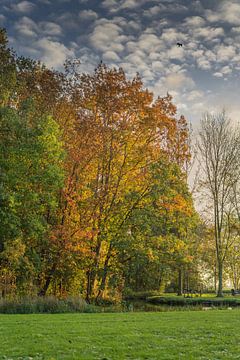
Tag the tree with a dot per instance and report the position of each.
(162, 228)
(8, 69)
(219, 146)
(117, 132)
(31, 174)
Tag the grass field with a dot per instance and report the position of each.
(212, 334)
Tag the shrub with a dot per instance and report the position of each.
(48, 304)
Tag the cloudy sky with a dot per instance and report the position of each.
(140, 35)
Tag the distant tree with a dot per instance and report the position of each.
(219, 146)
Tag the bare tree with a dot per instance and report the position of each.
(219, 146)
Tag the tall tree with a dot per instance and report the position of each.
(162, 230)
(121, 132)
(219, 146)
(31, 174)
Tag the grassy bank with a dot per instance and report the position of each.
(213, 334)
(194, 301)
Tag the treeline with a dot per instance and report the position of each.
(93, 187)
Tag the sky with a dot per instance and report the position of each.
(140, 36)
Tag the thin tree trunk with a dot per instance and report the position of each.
(92, 273)
(215, 278)
(220, 279)
(180, 281)
(43, 291)
(89, 289)
(105, 272)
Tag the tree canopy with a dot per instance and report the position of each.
(93, 186)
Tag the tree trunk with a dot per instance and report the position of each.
(104, 276)
(180, 281)
(89, 286)
(43, 291)
(220, 279)
(215, 278)
(92, 273)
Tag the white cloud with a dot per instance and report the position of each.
(116, 5)
(176, 81)
(153, 11)
(228, 11)
(148, 42)
(53, 53)
(109, 4)
(225, 53)
(29, 28)
(157, 66)
(110, 56)
(134, 25)
(167, 7)
(203, 63)
(209, 33)
(88, 15)
(218, 74)
(176, 53)
(147, 75)
(50, 28)
(137, 58)
(172, 35)
(129, 4)
(68, 21)
(23, 7)
(226, 70)
(26, 27)
(194, 95)
(108, 36)
(194, 21)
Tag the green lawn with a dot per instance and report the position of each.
(212, 334)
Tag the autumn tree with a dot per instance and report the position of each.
(121, 133)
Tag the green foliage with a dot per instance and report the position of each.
(162, 230)
(31, 171)
(8, 76)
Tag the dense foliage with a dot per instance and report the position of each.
(93, 191)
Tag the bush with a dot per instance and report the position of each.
(48, 304)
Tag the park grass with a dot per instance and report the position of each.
(196, 335)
